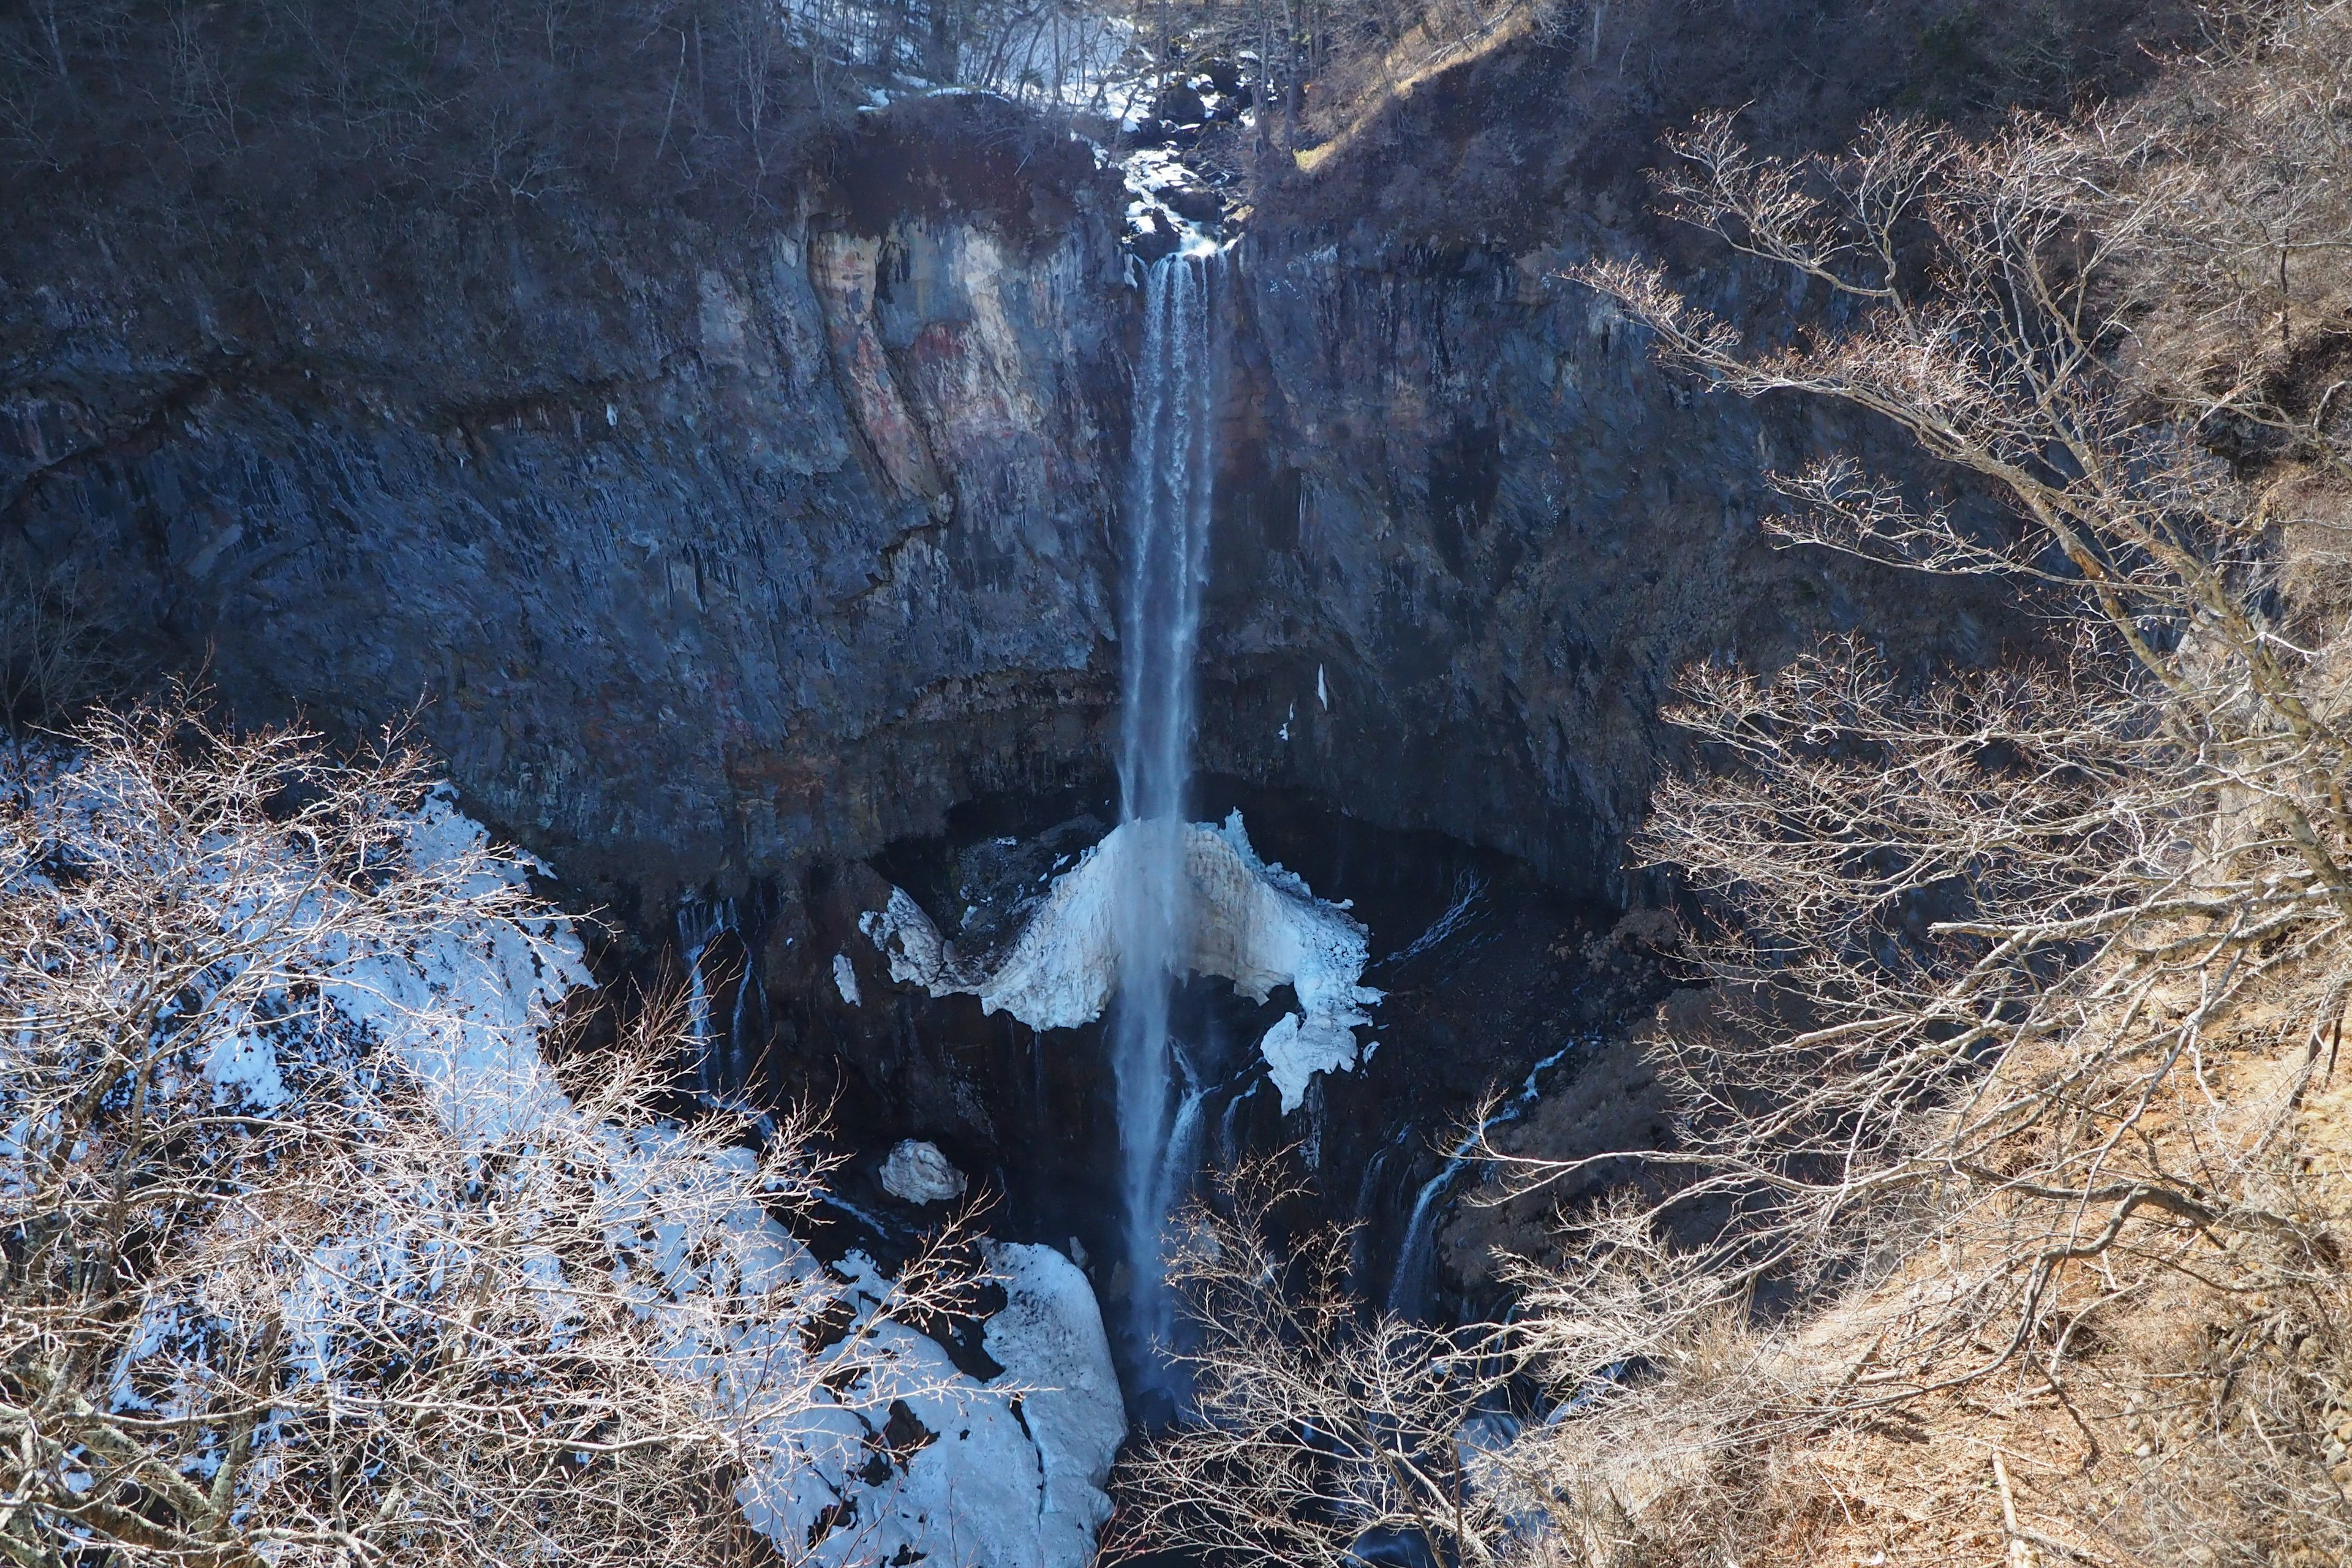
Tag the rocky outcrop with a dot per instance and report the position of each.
(726, 561)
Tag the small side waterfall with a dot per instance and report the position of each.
(727, 1015)
(1408, 1286)
(1171, 472)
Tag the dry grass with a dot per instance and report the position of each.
(1353, 99)
(2189, 1408)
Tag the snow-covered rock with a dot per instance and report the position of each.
(1049, 1339)
(917, 1172)
(1250, 923)
(962, 1473)
(464, 1009)
(1298, 1048)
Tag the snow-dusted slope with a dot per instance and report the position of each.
(1250, 923)
(989, 1488)
(1003, 1473)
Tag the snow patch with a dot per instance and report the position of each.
(463, 1008)
(1049, 1339)
(844, 979)
(982, 1490)
(243, 1070)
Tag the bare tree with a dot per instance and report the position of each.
(305, 1253)
(56, 654)
(2005, 869)
(1317, 1426)
(1991, 952)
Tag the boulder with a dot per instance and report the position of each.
(917, 1172)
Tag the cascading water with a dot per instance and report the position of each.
(1168, 485)
(1409, 1284)
(712, 950)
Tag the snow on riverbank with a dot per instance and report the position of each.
(1250, 923)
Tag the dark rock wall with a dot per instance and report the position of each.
(707, 553)
(1459, 488)
(712, 557)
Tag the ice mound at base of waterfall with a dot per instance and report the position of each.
(1253, 923)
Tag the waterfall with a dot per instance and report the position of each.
(726, 1003)
(1168, 480)
(703, 925)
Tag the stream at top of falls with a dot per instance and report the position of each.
(1169, 482)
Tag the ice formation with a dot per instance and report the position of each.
(1254, 923)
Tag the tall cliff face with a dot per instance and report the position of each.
(723, 560)
(713, 555)
(707, 553)
(1474, 532)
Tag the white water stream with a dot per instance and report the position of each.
(1171, 471)
(1408, 1286)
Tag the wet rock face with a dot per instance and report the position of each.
(711, 552)
(1469, 532)
(720, 556)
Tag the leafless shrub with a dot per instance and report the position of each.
(1317, 1426)
(305, 1256)
(1991, 953)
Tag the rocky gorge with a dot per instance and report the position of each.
(755, 576)
(724, 568)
